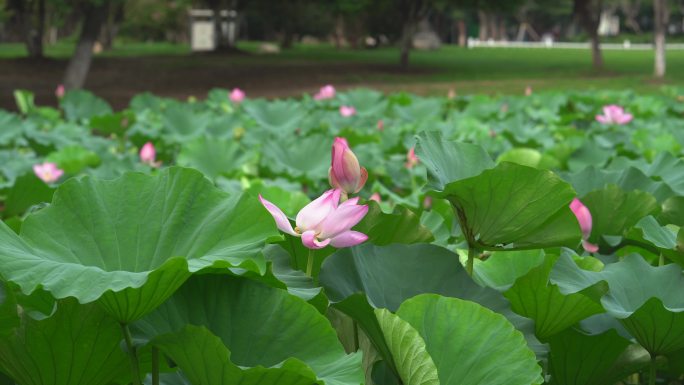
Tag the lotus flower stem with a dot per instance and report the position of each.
(661, 260)
(135, 370)
(471, 261)
(155, 366)
(309, 263)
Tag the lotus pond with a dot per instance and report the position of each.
(346, 238)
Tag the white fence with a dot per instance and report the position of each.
(626, 45)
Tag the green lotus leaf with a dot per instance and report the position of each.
(308, 157)
(81, 104)
(401, 226)
(532, 296)
(280, 117)
(523, 156)
(78, 344)
(644, 298)
(659, 236)
(515, 207)
(502, 268)
(414, 364)
(27, 191)
(581, 359)
(212, 156)
(469, 343)
(420, 109)
(282, 327)
(181, 122)
(448, 161)
(73, 159)
(130, 242)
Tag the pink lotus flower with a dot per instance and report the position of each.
(48, 172)
(411, 158)
(324, 221)
(347, 111)
(584, 218)
(148, 155)
(613, 114)
(59, 91)
(345, 172)
(427, 203)
(381, 125)
(451, 94)
(237, 95)
(326, 92)
(375, 197)
(528, 91)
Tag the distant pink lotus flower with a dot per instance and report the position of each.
(48, 172)
(528, 91)
(613, 114)
(324, 221)
(237, 95)
(326, 92)
(59, 91)
(451, 94)
(427, 202)
(381, 125)
(584, 218)
(375, 197)
(345, 172)
(148, 155)
(347, 111)
(411, 158)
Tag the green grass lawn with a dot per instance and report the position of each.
(488, 70)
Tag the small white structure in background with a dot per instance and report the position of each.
(425, 37)
(547, 39)
(203, 33)
(609, 25)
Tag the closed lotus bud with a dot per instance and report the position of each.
(345, 172)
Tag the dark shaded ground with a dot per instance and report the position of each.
(118, 79)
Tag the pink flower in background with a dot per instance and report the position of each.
(411, 158)
(237, 95)
(584, 218)
(613, 114)
(347, 111)
(528, 91)
(451, 94)
(375, 197)
(48, 172)
(326, 92)
(381, 125)
(345, 172)
(59, 91)
(324, 221)
(148, 155)
(427, 202)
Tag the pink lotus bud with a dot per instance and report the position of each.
(381, 125)
(347, 111)
(584, 218)
(237, 95)
(451, 94)
(59, 91)
(48, 172)
(324, 221)
(613, 114)
(427, 202)
(375, 197)
(326, 92)
(345, 172)
(411, 158)
(148, 155)
(528, 91)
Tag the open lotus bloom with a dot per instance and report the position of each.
(59, 91)
(347, 111)
(48, 172)
(613, 114)
(237, 95)
(324, 221)
(326, 92)
(148, 155)
(584, 218)
(411, 158)
(345, 172)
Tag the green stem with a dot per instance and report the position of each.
(135, 370)
(309, 263)
(661, 260)
(652, 371)
(155, 366)
(471, 261)
(356, 336)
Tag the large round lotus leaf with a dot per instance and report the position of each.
(259, 324)
(279, 117)
(294, 156)
(470, 344)
(77, 345)
(212, 156)
(130, 242)
(646, 299)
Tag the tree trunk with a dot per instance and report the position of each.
(483, 24)
(660, 16)
(589, 14)
(32, 34)
(406, 43)
(462, 32)
(94, 16)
